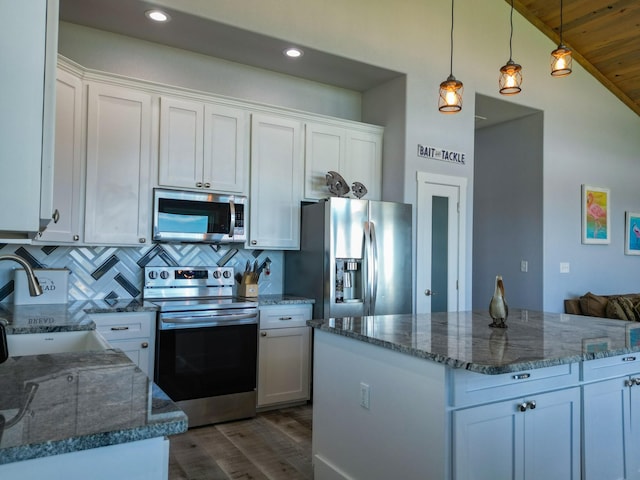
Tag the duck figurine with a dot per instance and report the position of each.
(498, 308)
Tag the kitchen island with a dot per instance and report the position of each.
(445, 396)
(86, 414)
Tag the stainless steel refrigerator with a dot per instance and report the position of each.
(354, 258)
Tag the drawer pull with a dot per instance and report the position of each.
(263, 334)
(145, 345)
(629, 359)
(286, 318)
(119, 328)
(521, 376)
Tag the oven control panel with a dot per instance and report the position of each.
(176, 277)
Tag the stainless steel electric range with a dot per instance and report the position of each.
(206, 342)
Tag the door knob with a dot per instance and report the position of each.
(427, 292)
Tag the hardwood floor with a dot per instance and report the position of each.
(274, 445)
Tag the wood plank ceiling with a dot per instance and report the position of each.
(604, 36)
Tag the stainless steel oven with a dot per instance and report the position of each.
(206, 342)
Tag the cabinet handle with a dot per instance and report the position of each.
(629, 383)
(120, 328)
(207, 185)
(286, 318)
(199, 184)
(629, 359)
(76, 238)
(145, 345)
(531, 405)
(56, 216)
(523, 407)
(254, 242)
(142, 240)
(263, 334)
(521, 376)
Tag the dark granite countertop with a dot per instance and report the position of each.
(79, 401)
(465, 340)
(282, 299)
(47, 318)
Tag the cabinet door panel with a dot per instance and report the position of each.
(181, 143)
(283, 370)
(364, 162)
(118, 156)
(68, 160)
(324, 152)
(489, 435)
(276, 182)
(225, 160)
(604, 435)
(552, 436)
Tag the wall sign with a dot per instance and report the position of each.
(441, 154)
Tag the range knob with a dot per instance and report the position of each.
(216, 274)
(153, 274)
(164, 274)
(226, 274)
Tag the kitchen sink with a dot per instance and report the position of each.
(57, 342)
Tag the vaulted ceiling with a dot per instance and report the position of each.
(603, 34)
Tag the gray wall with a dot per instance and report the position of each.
(507, 212)
(109, 52)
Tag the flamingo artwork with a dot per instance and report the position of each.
(597, 212)
(636, 232)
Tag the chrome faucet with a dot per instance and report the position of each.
(34, 286)
(34, 290)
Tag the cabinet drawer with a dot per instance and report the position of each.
(119, 326)
(469, 388)
(610, 367)
(285, 316)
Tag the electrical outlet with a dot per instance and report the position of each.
(565, 267)
(524, 266)
(364, 395)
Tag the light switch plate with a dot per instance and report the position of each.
(565, 267)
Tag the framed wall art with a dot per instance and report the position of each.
(632, 234)
(596, 215)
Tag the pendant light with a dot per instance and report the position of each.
(450, 99)
(561, 59)
(510, 73)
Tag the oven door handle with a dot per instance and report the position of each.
(191, 321)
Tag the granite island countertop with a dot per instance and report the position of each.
(465, 340)
(61, 403)
(282, 299)
(66, 402)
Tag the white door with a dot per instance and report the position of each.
(440, 249)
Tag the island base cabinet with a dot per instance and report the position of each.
(614, 436)
(139, 460)
(526, 438)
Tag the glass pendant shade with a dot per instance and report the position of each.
(510, 78)
(450, 100)
(561, 61)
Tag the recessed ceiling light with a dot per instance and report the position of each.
(293, 52)
(157, 15)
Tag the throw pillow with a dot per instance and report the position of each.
(618, 308)
(627, 306)
(593, 305)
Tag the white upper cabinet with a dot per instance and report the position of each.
(202, 146)
(28, 35)
(343, 148)
(276, 182)
(69, 172)
(118, 197)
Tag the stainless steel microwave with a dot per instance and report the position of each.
(198, 217)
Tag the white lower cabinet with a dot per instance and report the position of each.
(532, 437)
(284, 355)
(611, 406)
(133, 333)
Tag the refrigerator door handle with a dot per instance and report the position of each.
(366, 274)
(373, 251)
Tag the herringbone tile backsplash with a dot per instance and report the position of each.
(99, 273)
